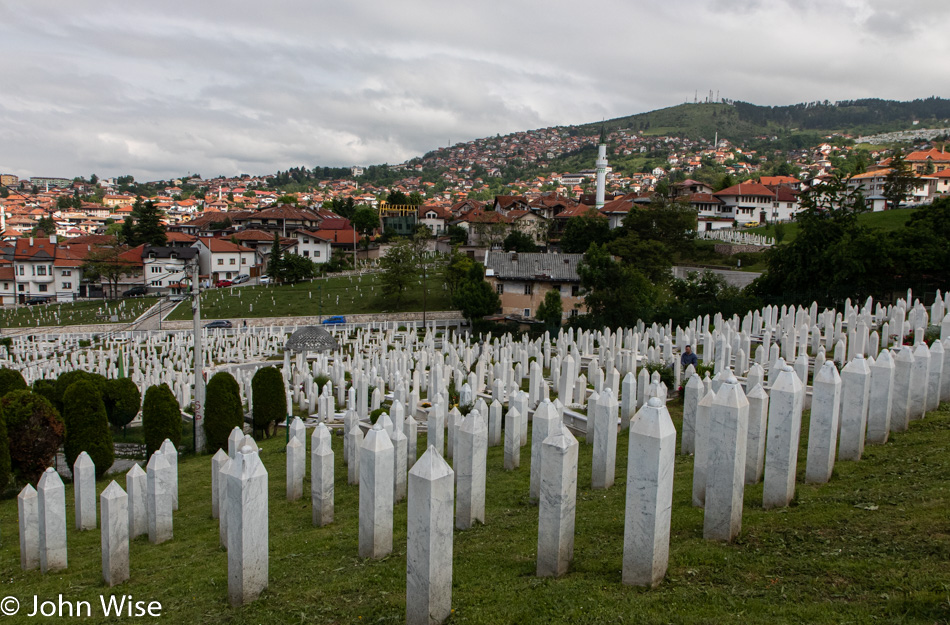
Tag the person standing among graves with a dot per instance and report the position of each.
(688, 358)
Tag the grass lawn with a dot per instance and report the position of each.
(339, 296)
(873, 545)
(884, 221)
(76, 313)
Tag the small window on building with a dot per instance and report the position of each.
(67, 272)
(306, 253)
(220, 261)
(500, 288)
(233, 261)
(42, 288)
(316, 253)
(575, 290)
(527, 312)
(528, 289)
(67, 285)
(21, 287)
(41, 270)
(243, 261)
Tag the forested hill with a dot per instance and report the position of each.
(741, 120)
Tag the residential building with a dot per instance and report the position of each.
(311, 245)
(223, 260)
(522, 281)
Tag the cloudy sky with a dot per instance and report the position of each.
(160, 89)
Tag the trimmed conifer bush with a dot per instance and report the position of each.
(65, 380)
(269, 402)
(161, 418)
(223, 409)
(87, 426)
(122, 400)
(4, 454)
(47, 388)
(35, 431)
(10, 380)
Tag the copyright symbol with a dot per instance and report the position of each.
(9, 606)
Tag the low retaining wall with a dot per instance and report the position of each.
(728, 249)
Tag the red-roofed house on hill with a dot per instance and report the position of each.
(220, 259)
(45, 269)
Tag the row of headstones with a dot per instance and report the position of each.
(756, 436)
(145, 507)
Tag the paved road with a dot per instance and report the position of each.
(740, 279)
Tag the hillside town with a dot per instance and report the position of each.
(51, 226)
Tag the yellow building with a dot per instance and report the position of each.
(523, 279)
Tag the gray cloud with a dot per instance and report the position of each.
(216, 87)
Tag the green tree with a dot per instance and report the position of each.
(397, 198)
(122, 399)
(10, 380)
(149, 228)
(296, 268)
(399, 270)
(474, 296)
(416, 199)
(46, 388)
(550, 310)
(365, 219)
(457, 268)
(106, 264)
(224, 410)
(45, 227)
(669, 222)
(35, 432)
(275, 262)
(833, 257)
(583, 231)
(128, 235)
(87, 426)
(616, 294)
(457, 235)
(518, 241)
(161, 418)
(899, 181)
(68, 378)
(269, 403)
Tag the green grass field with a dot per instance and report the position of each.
(885, 221)
(872, 546)
(339, 296)
(75, 313)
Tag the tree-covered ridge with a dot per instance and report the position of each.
(743, 120)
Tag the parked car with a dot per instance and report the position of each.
(38, 299)
(241, 278)
(222, 283)
(264, 280)
(135, 290)
(220, 323)
(751, 224)
(334, 320)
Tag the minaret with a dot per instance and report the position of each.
(601, 168)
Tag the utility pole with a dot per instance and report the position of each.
(198, 422)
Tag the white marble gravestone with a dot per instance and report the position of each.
(247, 527)
(429, 540)
(646, 539)
(114, 503)
(557, 503)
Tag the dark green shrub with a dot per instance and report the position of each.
(123, 400)
(47, 388)
(65, 380)
(35, 431)
(223, 409)
(320, 381)
(4, 454)
(161, 418)
(666, 373)
(11, 380)
(270, 403)
(87, 426)
(374, 415)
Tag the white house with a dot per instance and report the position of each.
(223, 260)
(311, 245)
